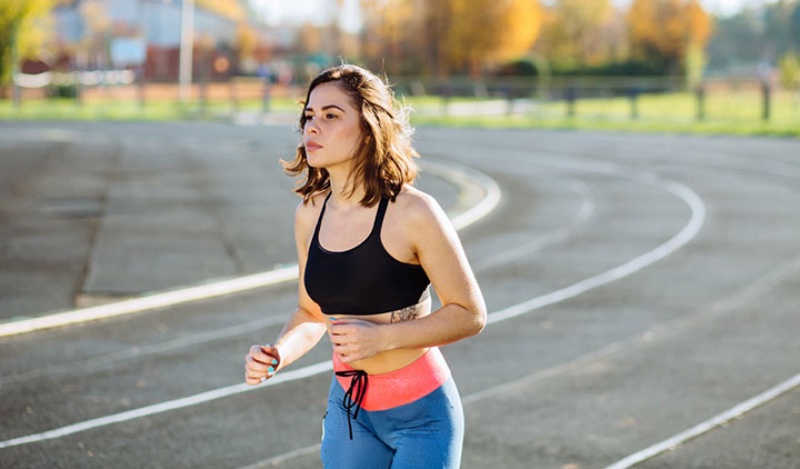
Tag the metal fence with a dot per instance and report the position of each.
(632, 98)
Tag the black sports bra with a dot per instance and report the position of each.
(365, 279)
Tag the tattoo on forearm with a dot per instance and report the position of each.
(406, 314)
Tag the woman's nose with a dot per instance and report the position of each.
(311, 127)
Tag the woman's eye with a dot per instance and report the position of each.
(330, 116)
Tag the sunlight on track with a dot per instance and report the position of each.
(684, 236)
(708, 425)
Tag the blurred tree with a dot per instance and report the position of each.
(93, 47)
(19, 35)
(521, 28)
(473, 33)
(737, 40)
(698, 33)
(663, 31)
(246, 40)
(448, 36)
(789, 67)
(760, 34)
(485, 32)
(794, 29)
(577, 32)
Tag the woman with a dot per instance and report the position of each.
(369, 245)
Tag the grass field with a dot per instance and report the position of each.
(728, 113)
(724, 112)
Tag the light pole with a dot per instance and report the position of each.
(187, 43)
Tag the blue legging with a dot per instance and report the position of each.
(426, 433)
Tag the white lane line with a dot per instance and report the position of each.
(685, 235)
(285, 457)
(167, 406)
(708, 425)
(749, 293)
(634, 265)
(476, 184)
(586, 211)
(158, 300)
(744, 295)
(144, 350)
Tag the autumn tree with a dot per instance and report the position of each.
(93, 46)
(665, 31)
(19, 34)
(450, 36)
(578, 32)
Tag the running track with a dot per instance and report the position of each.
(644, 310)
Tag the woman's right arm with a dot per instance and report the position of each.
(305, 326)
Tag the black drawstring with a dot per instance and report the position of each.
(355, 394)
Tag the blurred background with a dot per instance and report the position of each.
(700, 64)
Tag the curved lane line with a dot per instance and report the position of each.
(167, 406)
(752, 291)
(467, 179)
(708, 425)
(634, 265)
(684, 236)
(584, 214)
(638, 263)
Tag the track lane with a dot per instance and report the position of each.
(561, 330)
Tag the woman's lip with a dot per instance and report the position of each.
(311, 146)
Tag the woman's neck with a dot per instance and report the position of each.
(342, 194)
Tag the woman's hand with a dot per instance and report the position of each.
(355, 339)
(261, 363)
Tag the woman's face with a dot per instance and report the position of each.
(332, 130)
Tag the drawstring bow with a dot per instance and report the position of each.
(354, 395)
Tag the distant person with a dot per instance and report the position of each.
(369, 246)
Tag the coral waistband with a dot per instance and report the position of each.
(395, 388)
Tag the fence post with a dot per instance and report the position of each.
(571, 98)
(700, 93)
(446, 100)
(140, 86)
(509, 95)
(633, 94)
(265, 95)
(766, 93)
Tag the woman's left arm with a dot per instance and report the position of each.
(463, 311)
(439, 250)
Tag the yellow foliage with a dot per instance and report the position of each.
(577, 31)
(700, 24)
(451, 35)
(231, 9)
(668, 27)
(246, 40)
(21, 31)
(523, 22)
(489, 30)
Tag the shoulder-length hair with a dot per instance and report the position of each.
(383, 161)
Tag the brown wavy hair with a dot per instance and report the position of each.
(383, 161)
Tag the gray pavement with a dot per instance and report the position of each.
(93, 213)
(638, 286)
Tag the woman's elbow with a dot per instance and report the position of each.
(479, 318)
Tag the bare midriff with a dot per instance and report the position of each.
(389, 360)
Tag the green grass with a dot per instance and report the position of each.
(737, 113)
(728, 113)
(168, 110)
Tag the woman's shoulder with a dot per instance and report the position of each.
(418, 207)
(307, 212)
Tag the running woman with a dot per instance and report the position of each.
(369, 247)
